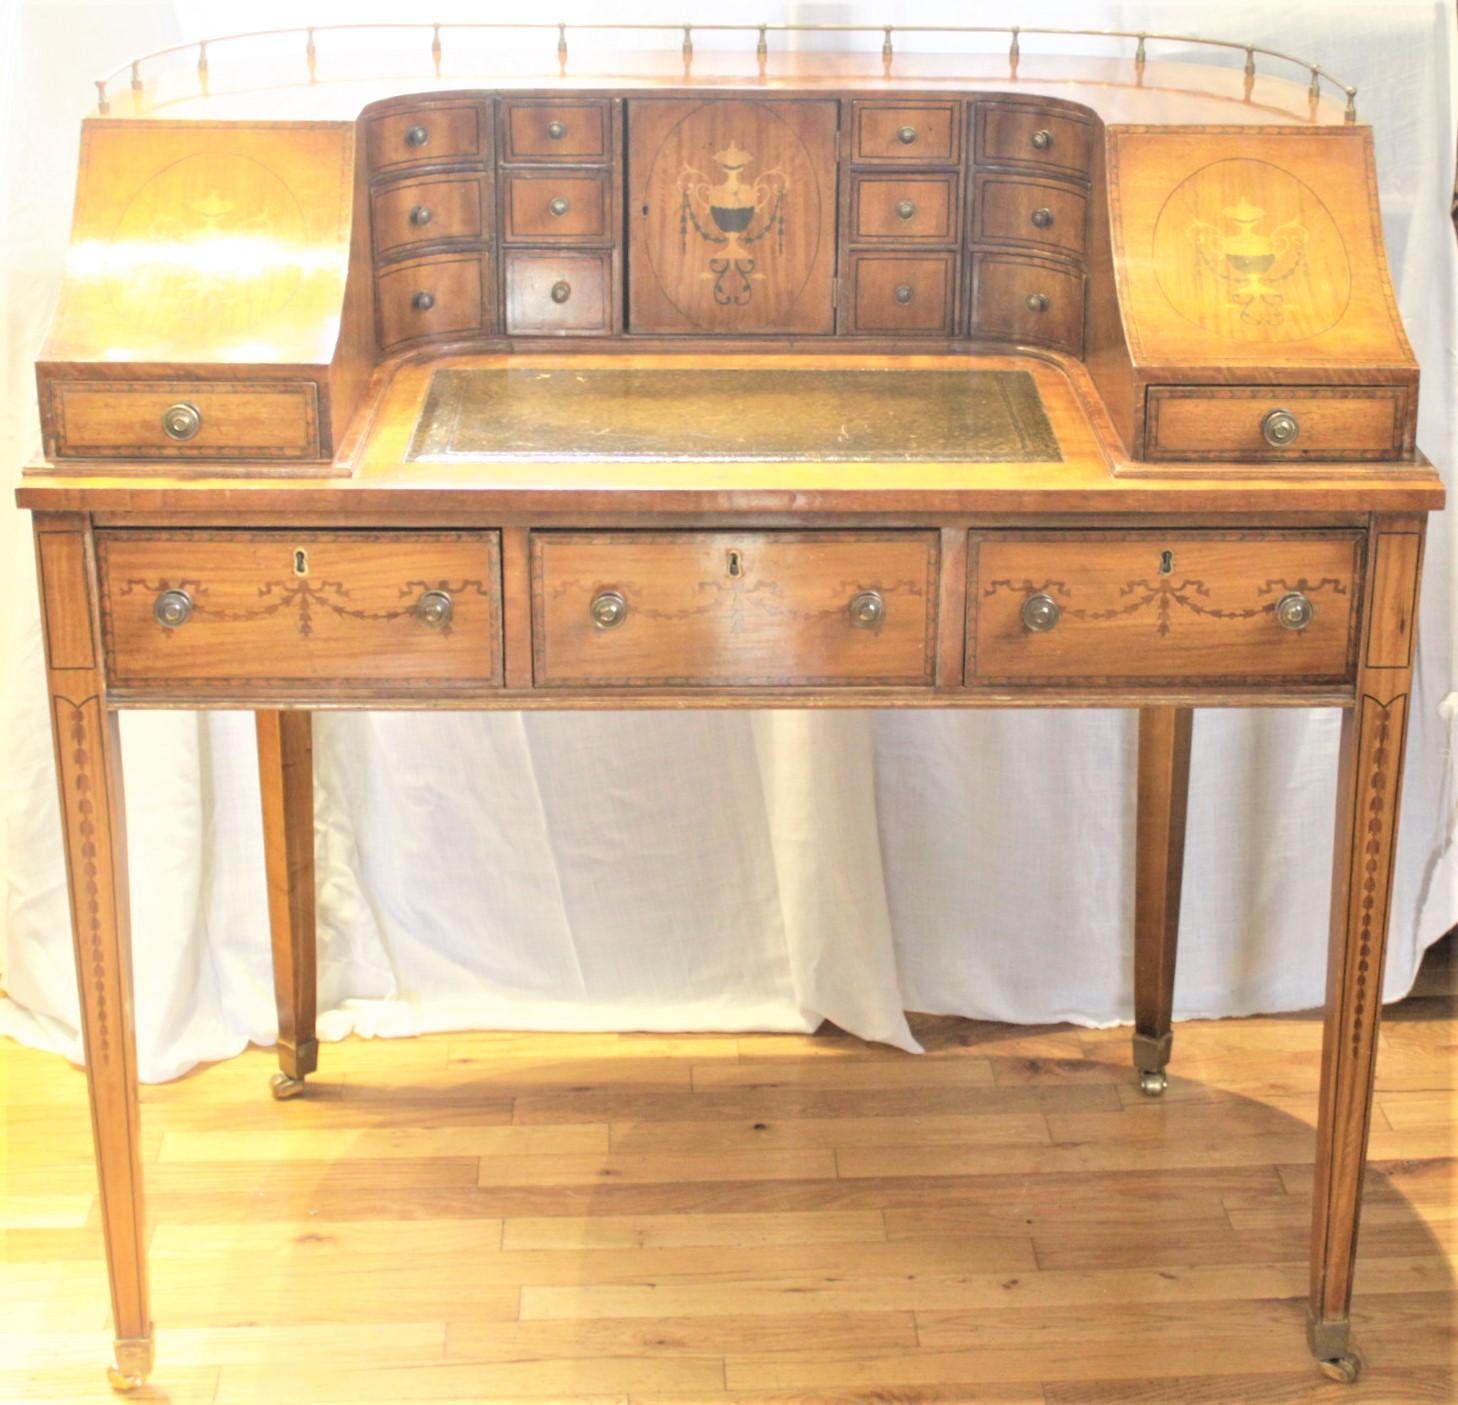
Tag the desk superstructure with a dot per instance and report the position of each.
(830, 380)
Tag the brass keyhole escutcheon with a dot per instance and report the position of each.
(1166, 563)
(301, 561)
(736, 563)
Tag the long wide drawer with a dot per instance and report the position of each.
(733, 609)
(1118, 607)
(280, 609)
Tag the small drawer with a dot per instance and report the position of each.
(430, 211)
(1007, 210)
(183, 419)
(277, 610)
(902, 293)
(559, 294)
(926, 133)
(1012, 134)
(1111, 608)
(1027, 300)
(1264, 422)
(451, 132)
(430, 298)
(904, 209)
(543, 207)
(554, 131)
(733, 609)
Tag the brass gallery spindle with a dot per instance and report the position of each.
(562, 45)
(136, 76)
(688, 45)
(1014, 50)
(1139, 55)
(202, 67)
(761, 50)
(311, 57)
(435, 48)
(886, 48)
(1249, 62)
(102, 105)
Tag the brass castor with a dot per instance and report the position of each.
(285, 1087)
(1345, 1368)
(122, 1383)
(1152, 1082)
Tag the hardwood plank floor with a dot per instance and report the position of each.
(707, 1220)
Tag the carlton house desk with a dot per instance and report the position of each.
(750, 378)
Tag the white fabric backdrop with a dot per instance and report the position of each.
(716, 870)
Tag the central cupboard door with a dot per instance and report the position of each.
(731, 216)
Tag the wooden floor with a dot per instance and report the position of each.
(715, 1219)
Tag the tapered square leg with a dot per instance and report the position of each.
(286, 781)
(1159, 860)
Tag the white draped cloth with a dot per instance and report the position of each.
(717, 870)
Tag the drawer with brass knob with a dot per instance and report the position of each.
(733, 609)
(417, 136)
(559, 293)
(431, 297)
(245, 419)
(904, 209)
(1010, 209)
(900, 292)
(426, 210)
(1021, 134)
(537, 130)
(1031, 300)
(1267, 423)
(545, 207)
(924, 133)
(1179, 607)
(247, 611)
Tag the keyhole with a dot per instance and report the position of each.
(736, 564)
(301, 562)
(1166, 562)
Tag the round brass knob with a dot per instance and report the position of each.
(423, 301)
(416, 136)
(559, 206)
(556, 130)
(1040, 613)
(1042, 139)
(181, 421)
(172, 609)
(867, 609)
(1294, 611)
(1043, 217)
(903, 293)
(421, 214)
(608, 609)
(435, 608)
(1279, 428)
(1036, 302)
(905, 209)
(561, 291)
(906, 136)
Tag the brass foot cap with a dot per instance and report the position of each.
(121, 1382)
(1152, 1082)
(1345, 1368)
(285, 1087)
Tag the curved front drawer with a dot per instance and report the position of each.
(280, 611)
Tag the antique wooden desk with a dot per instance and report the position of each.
(830, 381)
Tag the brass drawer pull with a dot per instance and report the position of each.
(173, 609)
(905, 209)
(1042, 217)
(561, 290)
(1040, 613)
(1042, 139)
(1036, 302)
(559, 206)
(556, 130)
(181, 421)
(1294, 611)
(1280, 428)
(435, 608)
(423, 301)
(416, 136)
(608, 609)
(906, 136)
(867, 609)
(903, 293)
(421, 215)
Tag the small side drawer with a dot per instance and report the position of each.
(1009, 210)
(536, 130)
(902, 293)
(925, 133)
(1027, 300)
(1110, 608)
(733, 609)
(183, 419)
(544, 207)
(1263, 422)
(241, 611)
(452, 132)
(1012, 134)
(559, 294)
(429, 211)
(430, 298)
(904, 209)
